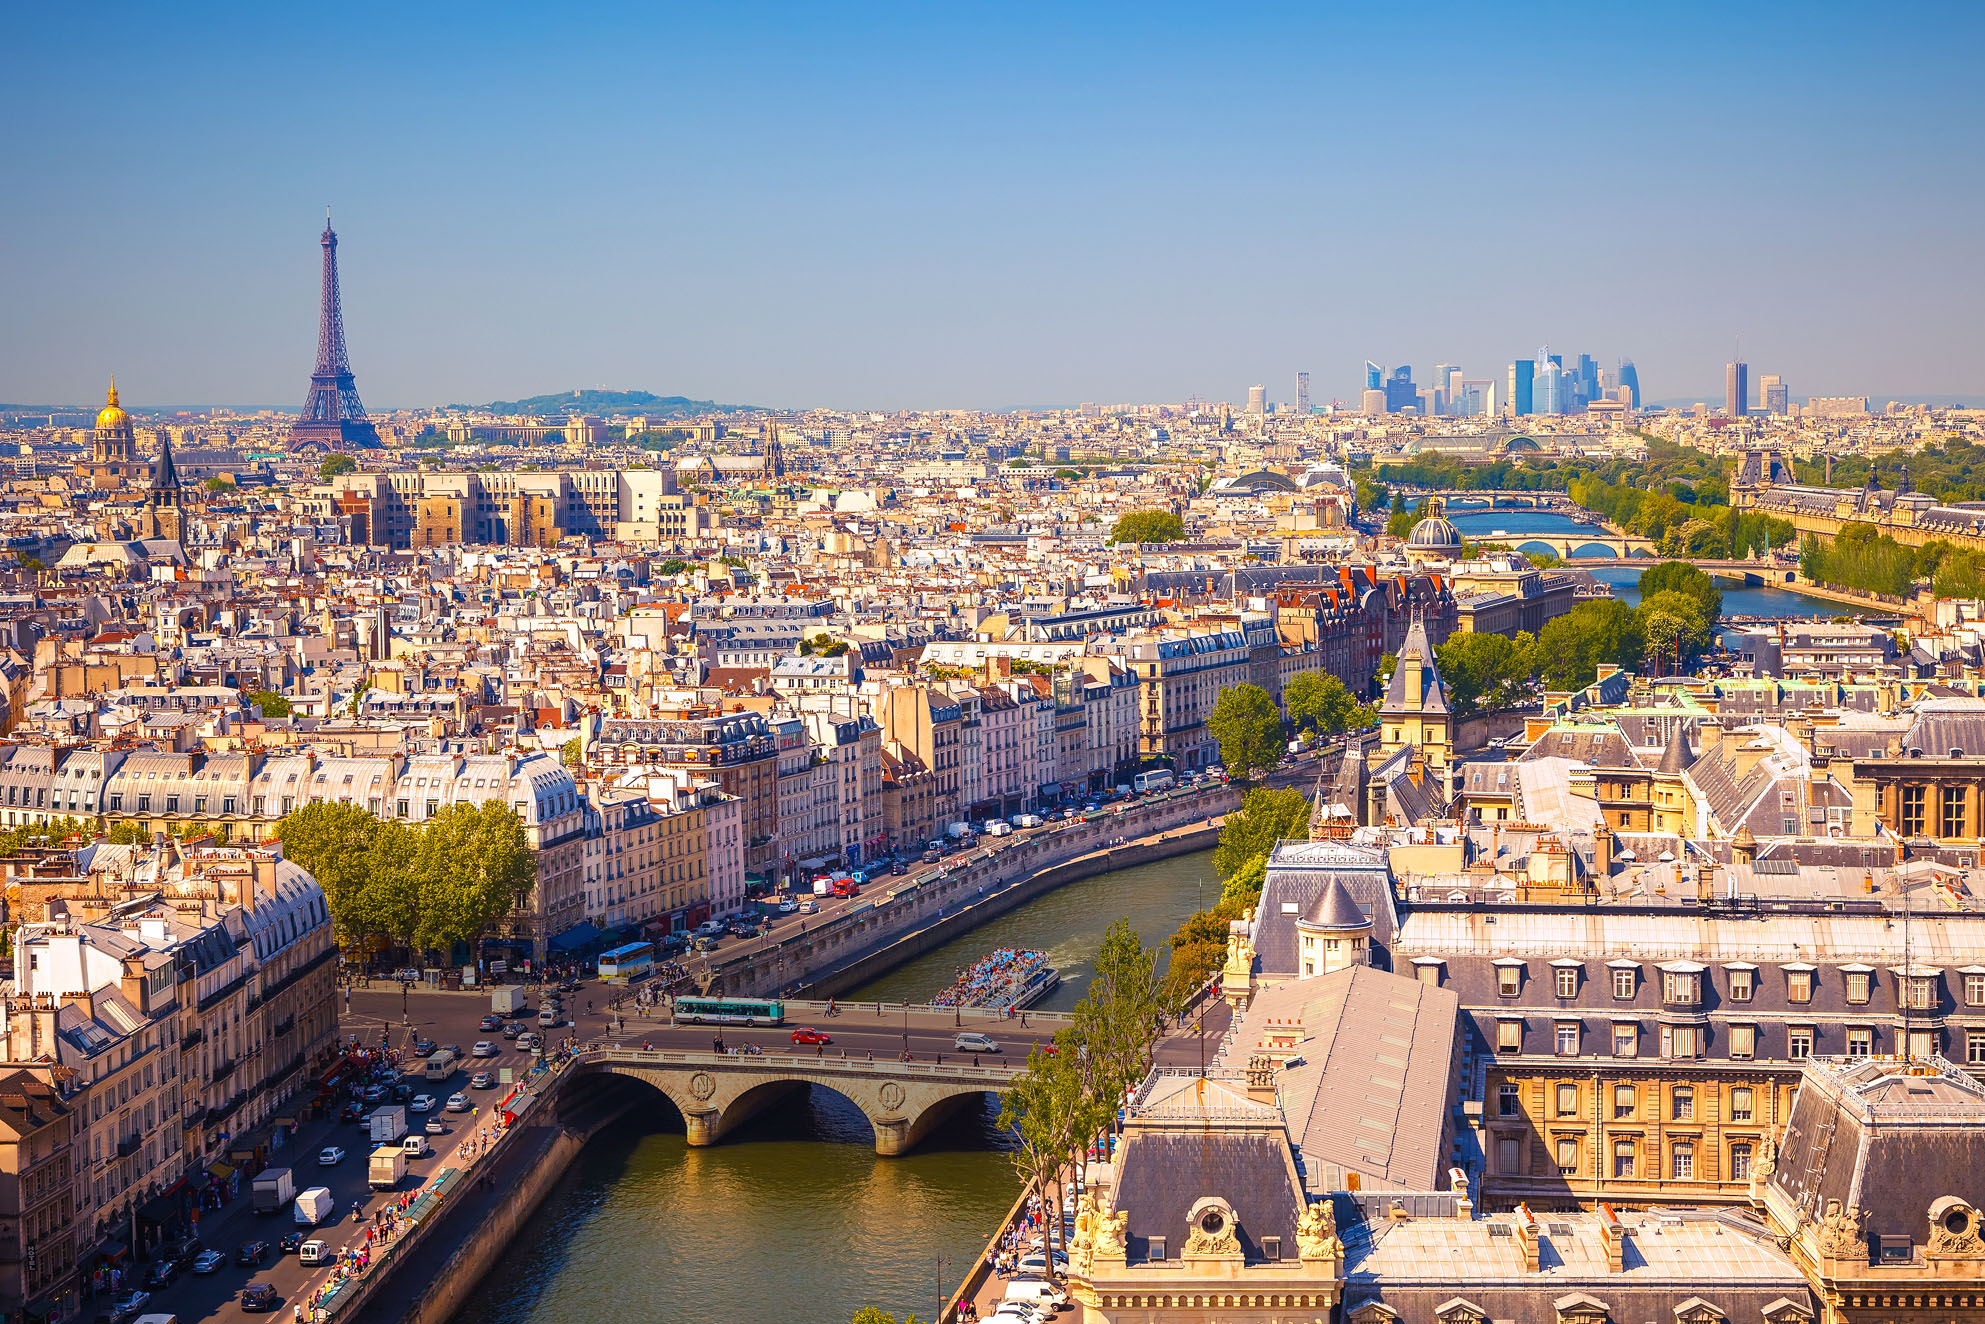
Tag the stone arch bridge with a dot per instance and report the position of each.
(717, 1091)
(1596, 546)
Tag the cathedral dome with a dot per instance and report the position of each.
(112, 418)
(1435, 533)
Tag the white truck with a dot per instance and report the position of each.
(273, 1190)
(315, 1206)
(388, 1124)
(959, 831)
(388, 1165)
(506, 999)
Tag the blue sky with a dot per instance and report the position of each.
(985, 206)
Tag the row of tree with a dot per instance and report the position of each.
(1253, 733)
(1147, 526)
(1951, 471)
(425, 886)
(1863, 558)
(1062, 1101)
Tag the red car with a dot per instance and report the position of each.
(806, 1036)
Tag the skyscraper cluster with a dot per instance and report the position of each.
(1545, 384)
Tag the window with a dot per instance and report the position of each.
(1567, 980)
(1684, 1166)
(1429, 974)
(1740, 1161)
(1625, 1099)
(1922, 992)
(1509, 978)
(1685, 1103)
(1623, 1158)
(1567, 1100)
(1677, 987)
(1623, 984)
(1506, 1105)
(1509, 1155)
(1626, 1041)
(1567, 1156)
(1568, 1039)
(1799, 1043)
(1509, 1036)
(1922, 1043)
(1857, 986)
(1681, 1041)
(1799, 985)
(1740, 1104)
(1952, 822)
(1911, 818)
(1974, 990)
(1974, 1047)
(1860, 1042)
(1271, 1248)
(1741, 984)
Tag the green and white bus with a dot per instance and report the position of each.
(729, 1011)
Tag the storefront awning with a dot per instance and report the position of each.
(221, 1170)
(575, 937)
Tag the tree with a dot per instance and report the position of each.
(334, 465)
(1318, 702)
(1672, 624)
(475, 865)
(1122, 1013)
(128, 834)
(674, 566)
(1571, 647)
(220, 483)
(1682, 577)
(1265, 817)
(1401, 521)
(271, 703)
(570, 753)
(1047, 1109)
(1485, 671)
(1249, 728)
(1148, 526)
(334, 842)
(877, 1315)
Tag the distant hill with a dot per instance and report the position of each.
(610, 402)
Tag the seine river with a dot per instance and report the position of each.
(1483, 526)
(793, 1219)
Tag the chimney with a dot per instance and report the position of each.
(1261, 1079)
(1464, 1208)
(1531, 1236)
(1705, 883)
(1613, 1234)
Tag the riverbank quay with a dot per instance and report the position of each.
(902, 917)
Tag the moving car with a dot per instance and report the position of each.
(423, 1103)
(289, 1244)
(806, 1035)
(971, 1041)
(330, 1156)
(435, 1127)
(352, 1112)
(458, 1103)
(423, 1046)
(787, 905)
(207, 1261)
(128, 1303)
(259, 1298)
(313, 1252)
(160, 1275)
(490, 1023)
(482, 1080)
(252, 1254)
(484, 1048)
(512, 1031)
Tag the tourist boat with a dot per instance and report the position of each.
(1009, 979)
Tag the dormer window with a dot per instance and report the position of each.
(1680, 988)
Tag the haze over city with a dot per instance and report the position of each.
(920, 208)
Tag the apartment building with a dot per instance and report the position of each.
(930, 723)
(39, 1235)
(1181, 674)
(735, 750)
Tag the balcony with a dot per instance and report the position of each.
(222, 1071)
(192, 1039)
(129, 1145)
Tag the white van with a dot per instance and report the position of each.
(1036, 1292)
(416, 1146)
(314, 1252)
(973, 1042)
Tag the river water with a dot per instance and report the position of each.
(793, 1218)
(1512, 526)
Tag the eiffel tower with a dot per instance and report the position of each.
(332, 418)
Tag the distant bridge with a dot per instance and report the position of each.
(1754, 574)
(717, 1091)
(1462, 502)
(1581, 547)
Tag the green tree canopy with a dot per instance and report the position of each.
(1571, 647)
(1682, 577)
(334, 842)
(1671, 622)
(1265, 817)
(220, 483)
(1318, 702)
(1486, 671)
(1249, 728)
(334, 465)
(271, 703)
(1148, 526)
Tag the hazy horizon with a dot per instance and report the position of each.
(911, 208)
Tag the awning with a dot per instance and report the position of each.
(575, 937)
(221, 1170)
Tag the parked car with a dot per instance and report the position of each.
(423, 1103)
(458, 1103)
(252, 1254)
(484, 1048)
(482, 1080)
(260, 1298)
(330, 1156)
(807, 1035)
(207, 1261)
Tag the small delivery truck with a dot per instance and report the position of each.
(389, 1124)
(273, 1189)
(388, 1165)
(506, 999)
(315, 1206)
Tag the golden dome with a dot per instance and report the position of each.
(111, 418)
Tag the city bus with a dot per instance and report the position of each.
(729, 1011)
(625, 964)
(1155, 780)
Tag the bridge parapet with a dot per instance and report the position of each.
(717, 1091)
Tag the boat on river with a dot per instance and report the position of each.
(1007, 979)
